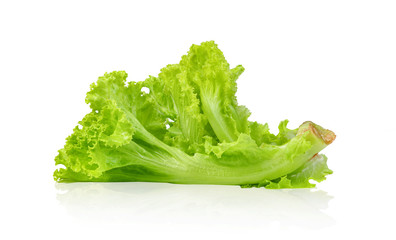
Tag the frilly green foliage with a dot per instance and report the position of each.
(188, 128)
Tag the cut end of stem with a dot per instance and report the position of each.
(326, 135)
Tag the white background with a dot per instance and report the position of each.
(331, 62)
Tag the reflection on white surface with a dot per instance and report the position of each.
(161, 203)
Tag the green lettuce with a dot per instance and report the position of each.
(186, 126)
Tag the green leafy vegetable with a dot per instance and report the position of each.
(187, 128)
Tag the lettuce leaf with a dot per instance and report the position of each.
(186, 126)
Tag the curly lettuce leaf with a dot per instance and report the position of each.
(185, 126)
(206, 68)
